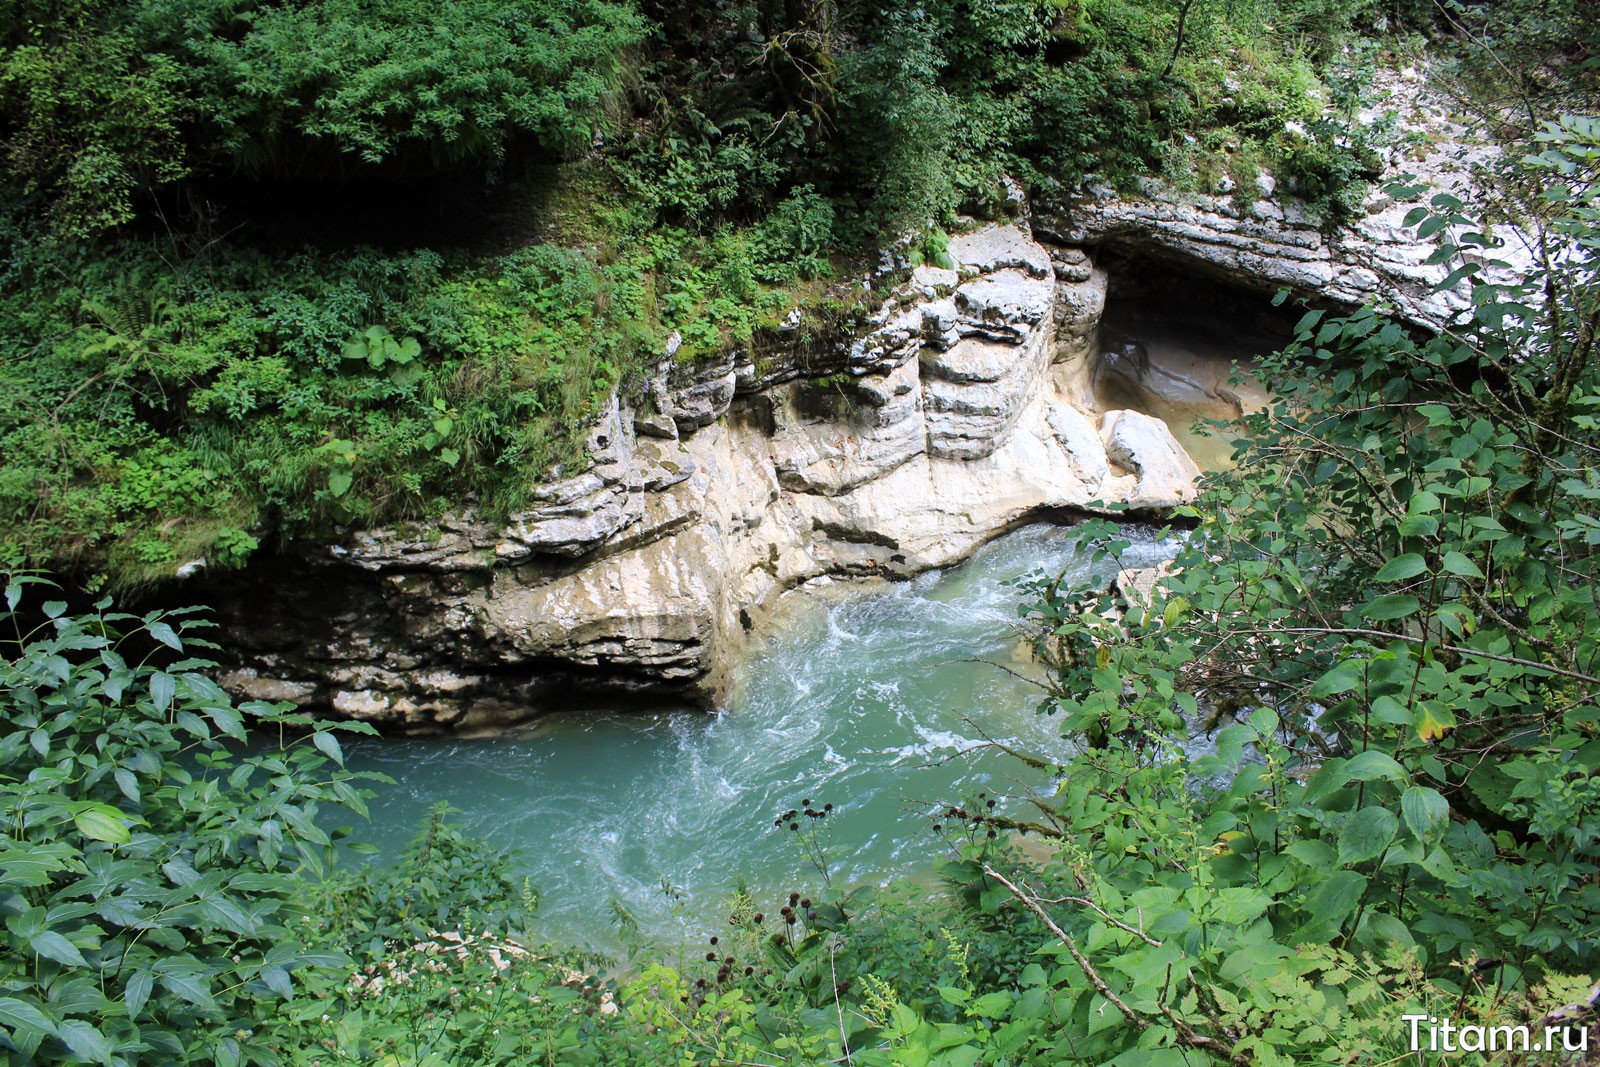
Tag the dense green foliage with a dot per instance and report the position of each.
(104, 101)
(704, 169)
(150, 873)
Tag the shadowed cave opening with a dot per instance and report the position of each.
(1182, 343)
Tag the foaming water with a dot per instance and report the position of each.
(860, 696)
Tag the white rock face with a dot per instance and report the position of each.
(959, 415)
(1144, 445)
(646, 568)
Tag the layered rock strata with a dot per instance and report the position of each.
(965, 410)
(1261, 237)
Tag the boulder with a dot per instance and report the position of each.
(1143, 445)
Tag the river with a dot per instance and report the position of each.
(864, 696)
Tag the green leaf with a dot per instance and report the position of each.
(1419, 526)
(53, 946)
(137, 992)
(1401, 567)
(20, 1015)
(449, 456)
(102, 826)
(1367, 834)
(33, 866)
(85, 1041)
(1425, 811)
(408, 350)
(339, 481)
(1333, 899)
(1371, 764)
(277, 980)
(1238, 905)
(162, 689)
(991, 1005)
(1313, 853)
(1392, 606)
(165, 634)
(1345, 676)
(1431, 225)
(328, 745)
(1456, 563)
(191, 987)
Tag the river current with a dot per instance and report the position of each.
(867, 697)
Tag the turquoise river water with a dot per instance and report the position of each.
(857, 695)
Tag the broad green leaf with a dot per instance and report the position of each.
(162, 689)
(339, 481)
(19, 1014)
(1401, 567)
(277, 980)
(101, 826)
(1456, 563)
(53, 946)
(85, 1041)
(329, 745)
(1332, 900)
(991, 1005)
(191, 987)
(1392, 606)
(1371, 764)
(1419, 526)
(166, 635)
(1425, 811)
(34, 866)
(1313, 853)
(137, 991)
(1367, 833)
(1238, 905)
(1346, 675)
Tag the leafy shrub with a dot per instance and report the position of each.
(150, 865)
(103, 100)
(793, 241)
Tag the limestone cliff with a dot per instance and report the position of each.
(961, 413)
(965, 408)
